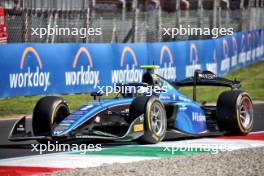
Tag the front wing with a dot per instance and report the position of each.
(135, 130)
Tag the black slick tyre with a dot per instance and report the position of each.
(235, 112)
(49, 111)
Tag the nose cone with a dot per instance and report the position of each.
(84, 114)
(77, 118)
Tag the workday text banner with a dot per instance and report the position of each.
(40, 69)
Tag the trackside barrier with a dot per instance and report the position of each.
(39, 69)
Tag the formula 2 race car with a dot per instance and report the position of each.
(144, 115)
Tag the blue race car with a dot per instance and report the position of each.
(146, 114)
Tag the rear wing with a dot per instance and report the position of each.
(206, 78)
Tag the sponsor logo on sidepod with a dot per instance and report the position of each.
(127, 75)
(167, 70)
(30, 77)
(198, 117)
(85, 75)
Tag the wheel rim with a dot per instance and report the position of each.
(158, 121)
(246, 113)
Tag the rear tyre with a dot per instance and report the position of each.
(235, 112)
(49, 111)
(155, 120)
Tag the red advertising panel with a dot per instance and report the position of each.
(3, 33)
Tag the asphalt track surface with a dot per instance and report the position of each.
(15, 149)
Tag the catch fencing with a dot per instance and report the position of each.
(119, 25)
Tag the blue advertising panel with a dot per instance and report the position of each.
(40, 69)
(126, 62)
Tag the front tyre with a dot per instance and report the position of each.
(155, 118)
(49, 111)
(235, 112)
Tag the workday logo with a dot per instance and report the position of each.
(242, 56)
(235, 52)
(254, 43)
(30, 78)
(259, 47)
(234, 42)
(212, 66)
(129, 73)
(249, 38)
(193, 54)
(249, 46)
(84, 75)
(225, 63)
(193, 65)
(243, 42)
(166, 70)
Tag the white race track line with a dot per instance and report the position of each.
(66, 160)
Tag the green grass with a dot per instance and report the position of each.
(25, 105)
(252, 80)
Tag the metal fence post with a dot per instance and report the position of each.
(94, 3)
(26, 25)
(123, 10)
(257, 3)
(215, 10)
(242, 4)
(135, 21)
(114, 35)
(227, 18)
(219, 17)
(123, 14)
(187, 12)
(157, 22)
(249, 9)
(101, 23)
(160, 23)
(178, 13)
(49, 21)
(88, 21)
(241, 10)
(200, 11)
(55, 18)
(136, 25)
